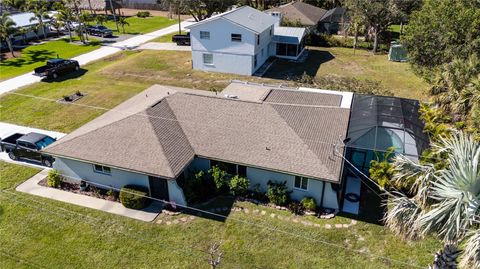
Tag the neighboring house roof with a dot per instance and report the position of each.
(25, 19)
(245, 16)
(291, 35)
(288, 131)
(95, 4)
(337, 15)
(299, 11)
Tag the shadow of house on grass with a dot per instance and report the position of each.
(68, 76)
(217, 209)
(289, 70)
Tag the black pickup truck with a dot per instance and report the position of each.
(55, 67)
(27, 146)
(181, 39)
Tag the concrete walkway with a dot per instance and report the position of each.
(163, 46)
(131, 43)
(31, 187)
(7, 129)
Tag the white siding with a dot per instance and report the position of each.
(224, 63)
(220, 38)
(175, 193)
(81, 170)
(330, 197)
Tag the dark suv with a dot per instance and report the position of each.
(99, 30)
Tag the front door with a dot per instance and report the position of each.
(159, 188)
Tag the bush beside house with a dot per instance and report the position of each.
(134, 197)
(54, 179)
(278, 193)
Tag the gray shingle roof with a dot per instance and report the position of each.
(294, 138)
(305, 13)
(245, 16)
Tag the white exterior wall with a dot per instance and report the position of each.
(265, 41)
(224, 63)
(228, 56)
(175, 193)
(84, 171)
(330, 197)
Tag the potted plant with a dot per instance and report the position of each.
(83, 185)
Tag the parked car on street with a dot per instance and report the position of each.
(56, 67)
(99, 30)
(181, 39)
(28, 146)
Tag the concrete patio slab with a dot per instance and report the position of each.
(31, 187)
(163, 46)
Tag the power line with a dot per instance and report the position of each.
(266, 227)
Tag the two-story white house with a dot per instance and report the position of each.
(241, 40)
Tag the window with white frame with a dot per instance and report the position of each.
(102, 169)
(236, 38)
(204, 35)
(301, 183)
(208, 59)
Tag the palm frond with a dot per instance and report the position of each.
(471, 253)
(402, 215)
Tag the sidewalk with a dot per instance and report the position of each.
(31, 187)
(131, 43)
(163, 46)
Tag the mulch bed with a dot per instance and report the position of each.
(90, 191)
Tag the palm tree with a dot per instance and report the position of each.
(447, 201)
(57, 24)
(6, 30)
(65, 16)
(23, 32)
(100, 19)
(123, 21)
(84, 18)
(39, 10)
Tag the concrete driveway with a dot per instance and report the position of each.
(163, 46)
(131, 43)
(7, 129)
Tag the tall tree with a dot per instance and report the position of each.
(202, 9)
(405, 8)
(7, 28)
(40, 13)
(378, 14)
(65, 16)
(122, 21)
(441, 31)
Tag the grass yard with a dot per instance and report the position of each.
(36, 55)
(341, 62)
(107, 83)
(167, 38)
(142, 25)
(38, 232)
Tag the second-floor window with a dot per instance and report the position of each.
(204, 35)
(236, 38)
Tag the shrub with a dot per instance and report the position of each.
(220, 177)
(111, 193)
(295, 208)
(54, 179)
(309, 203)
(197, 186)
(143, 14)
(278, 193)
(238, 185)
(133, 196)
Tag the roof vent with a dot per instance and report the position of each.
(230, 96)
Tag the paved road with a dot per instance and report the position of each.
(7, 129)
(131, 43)
(163, 46)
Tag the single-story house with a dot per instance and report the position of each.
(241, 40)
(298, 12)
(334, 21)
(27, 20)
(262, 132)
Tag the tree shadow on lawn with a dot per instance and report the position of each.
(30, 57)
(217, 209)
(286, 69)
(68, 76)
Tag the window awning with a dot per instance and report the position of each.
(288, 35)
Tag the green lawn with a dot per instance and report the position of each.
(107, 83)
(167, 38)
(38, 232)
(35, 55)
(342, 62)
(142, 25)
